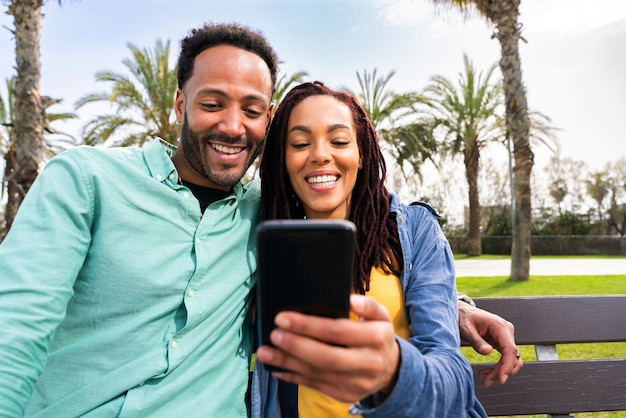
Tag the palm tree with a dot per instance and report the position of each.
(410, 146)
(542, 132)
(55, 140)
(617, 189)
(383, 106)
(7, 115)
(6, 146)
(465, 117)
(558, 191)
(284, 84)
(504, 14)
(404, 139)
(144, 101)
(53, 143)
(598, 189)
(27, 154)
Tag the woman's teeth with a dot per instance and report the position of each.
(322, 180)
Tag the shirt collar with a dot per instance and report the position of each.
(158, 154)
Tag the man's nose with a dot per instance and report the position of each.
(232, 123)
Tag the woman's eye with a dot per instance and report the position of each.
(298, 145)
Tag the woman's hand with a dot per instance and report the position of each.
(348, 360)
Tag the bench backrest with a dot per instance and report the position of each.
(550, 385)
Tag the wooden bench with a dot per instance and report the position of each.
(553, 386)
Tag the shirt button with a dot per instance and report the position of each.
(159, 177)
(191, 293)
(197, 240)
(185, 195)
(171, 176)
(173, 344)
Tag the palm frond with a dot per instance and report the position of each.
(143, 99)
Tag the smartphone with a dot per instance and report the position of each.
(305, 266)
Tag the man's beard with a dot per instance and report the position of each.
(194, 153)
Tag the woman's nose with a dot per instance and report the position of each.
(320, 154)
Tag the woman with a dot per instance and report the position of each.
(322, 160)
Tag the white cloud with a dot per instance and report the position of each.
(561, 16)
(441, 20)
(566, 17)
(404, 12)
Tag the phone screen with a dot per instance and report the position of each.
(304, 266)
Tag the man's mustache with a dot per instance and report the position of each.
(225, 139)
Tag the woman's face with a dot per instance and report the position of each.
(322, 156)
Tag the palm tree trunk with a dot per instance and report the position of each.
(28, 131)
(472, 164)
(10, 210)
(504, 14)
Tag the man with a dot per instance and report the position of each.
(125, 281)
(137, 302)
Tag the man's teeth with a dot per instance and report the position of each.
(225, 149)
(322, 180)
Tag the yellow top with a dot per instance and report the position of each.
(386, 289)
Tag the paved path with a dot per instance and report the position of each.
(543, 267)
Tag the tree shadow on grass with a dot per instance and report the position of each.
(505, 286)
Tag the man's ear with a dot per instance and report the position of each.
(270, 116)
(179, 106)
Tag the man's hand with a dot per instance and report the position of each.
(485, 331)
(348, 360)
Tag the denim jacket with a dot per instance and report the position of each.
(434, 380)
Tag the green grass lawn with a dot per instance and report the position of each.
(547, 286)
(539, 257)
(542, 286)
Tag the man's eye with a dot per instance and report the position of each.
(253, 113)
(210, 106)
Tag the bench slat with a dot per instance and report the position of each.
(562, 319)
(557, 387)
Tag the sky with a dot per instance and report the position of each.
(573, 60)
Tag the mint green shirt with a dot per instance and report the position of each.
(118, 299)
